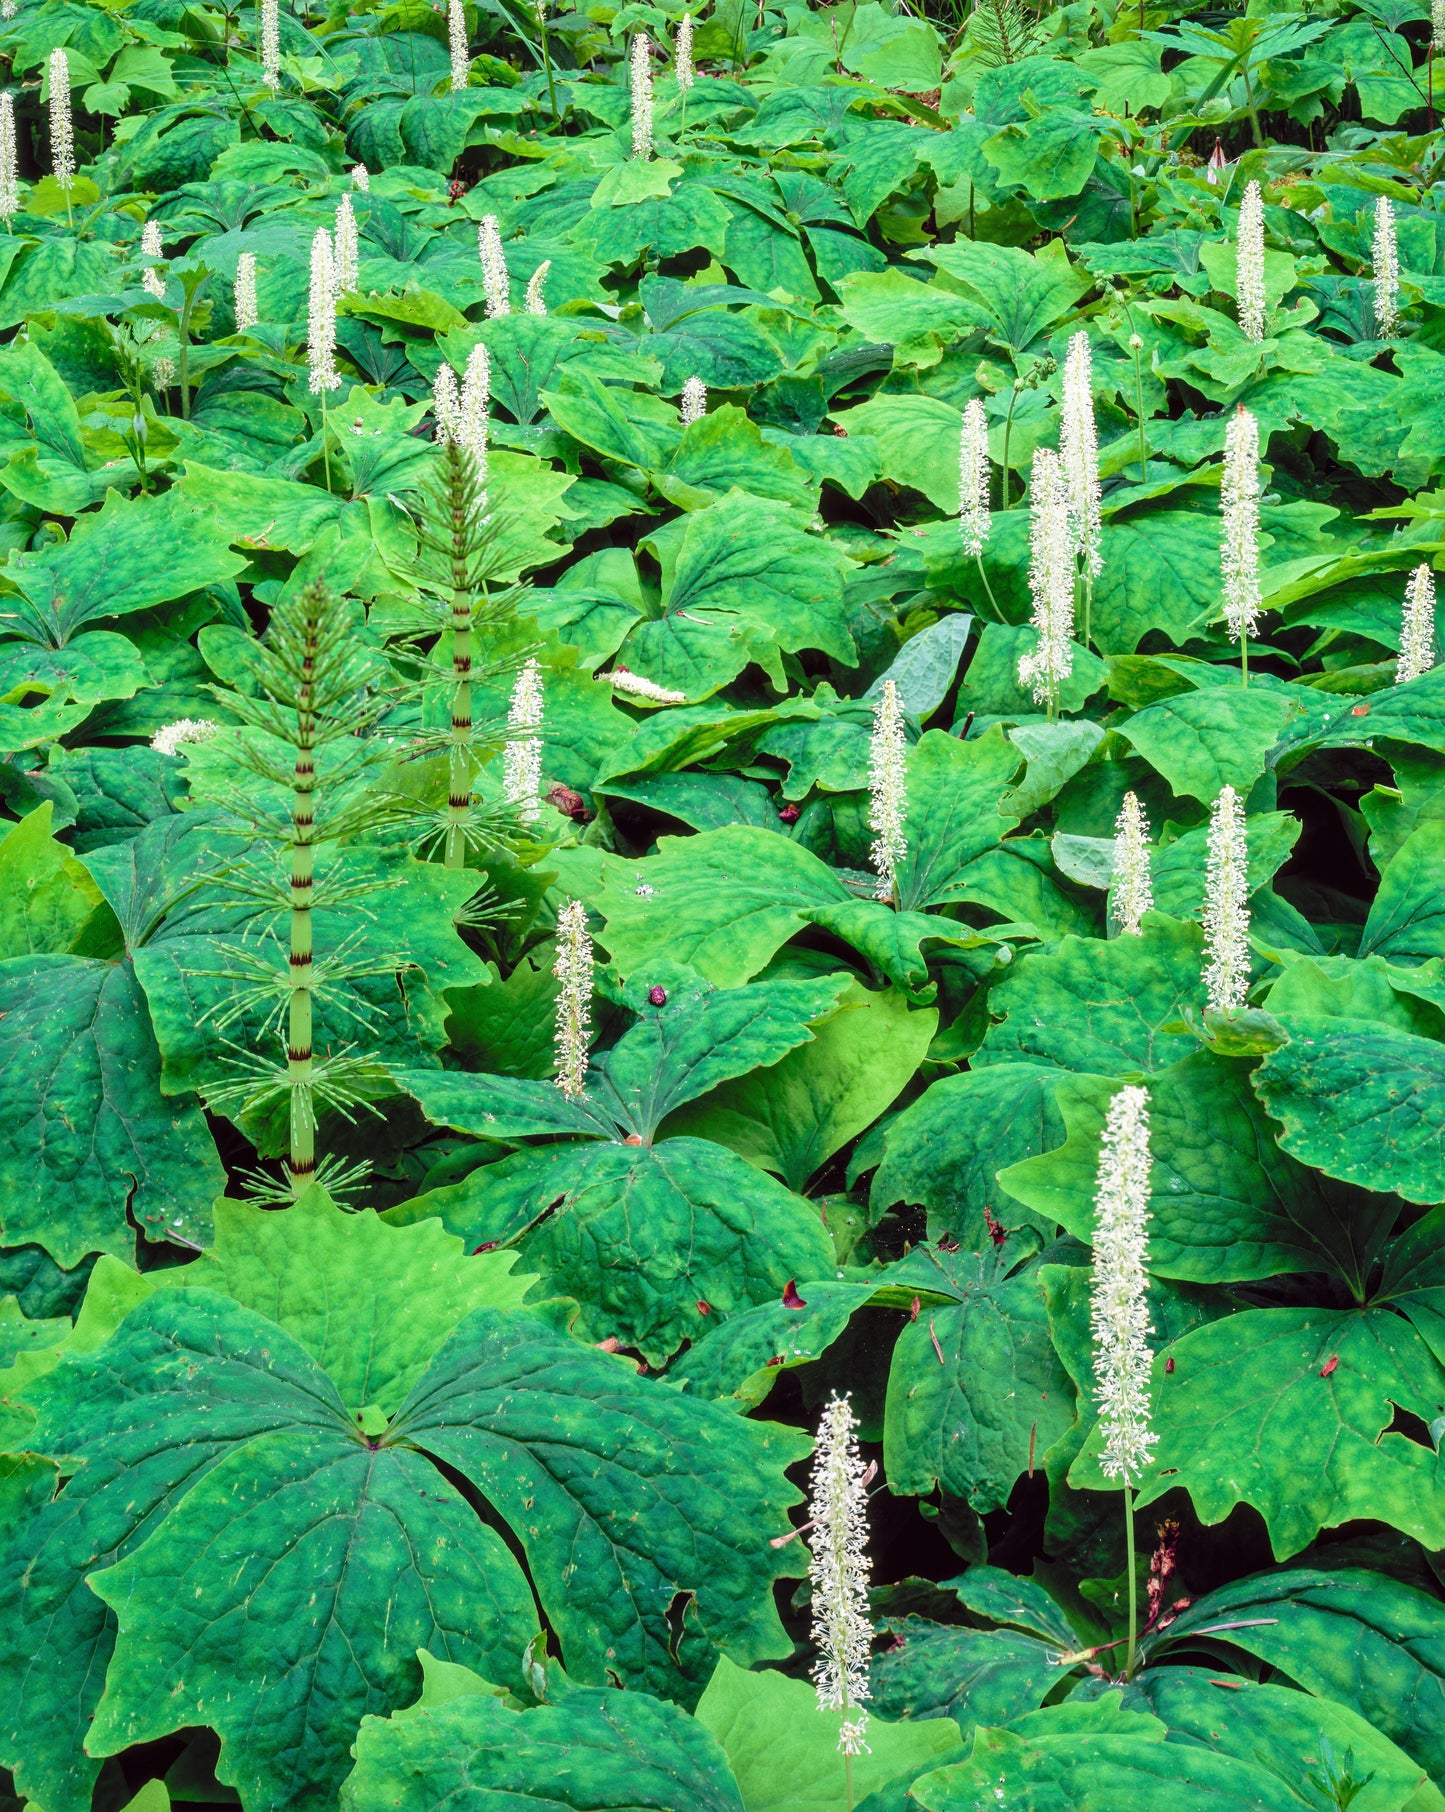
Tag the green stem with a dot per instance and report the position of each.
(983, 574)
(1088, 604)
(1133, 1587)
(325, 443)
(1139, 418)
(848, 1779)
(1249, 104)
(547, 64)
(1008, 422)
(459, 752)
(303, 857)
(1244, 657)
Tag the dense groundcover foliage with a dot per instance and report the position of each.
(536, 730)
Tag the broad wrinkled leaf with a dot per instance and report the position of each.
(612, 1751)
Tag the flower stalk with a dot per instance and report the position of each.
(573, 969)
(888, 790)
(1051, 583)
(1249, 264)
(1417, 627)
(842, 1629)
(1226, 905)
(1239, 533)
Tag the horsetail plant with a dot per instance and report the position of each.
(317, 700)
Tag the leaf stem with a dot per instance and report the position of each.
(1133, 1583)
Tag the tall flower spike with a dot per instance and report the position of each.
(1239, 525)
(1119, 1308)
(9, 168)
(1386, 261)
(1051, 582)
(169, 738)
(641, 96)
(682, 54)
(446, 406)
(1226, 905)
(888, 788)
(1133, 890)
(1249, 264)
(62, 139)
(347, 249)
(246, 307)
(152, 280)
(522, 756)
(573, 969)
(535, 301)
(1417, 627)
(974, 520)
(693, 405)
(475, 422)
(321, 318)
(271, 43)
(1079, 453)
(637, 686)
(494, 267)
(842, 1628)
(457, 43)
(361, 179)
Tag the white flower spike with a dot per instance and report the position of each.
(1417, 627)
(641, 96)
(1249, 264)
(1079, 454)
(168, 741)
(474, 425)
(522, 755)
(9, 168)
(1051, 582)
(244, 294)
(321, 318)
(495, 281)
(636, 686)
(888, 789)
(1386, 258)
(270, 44)
(1239, 526)
(1119, 1307)
(347, 249)
(62, 137)
(1226, 905)
(573, 968)
(842, 1628)
(682, 55)
(152, 280)
(693, 406)
(974, 520)
(360, 179)
(535, 301)
(1133, 889)
(461, 57)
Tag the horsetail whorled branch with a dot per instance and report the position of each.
(316, 694)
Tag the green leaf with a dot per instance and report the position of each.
(1407, 915)
(918, 319)
(130, 555)
(1284, 1733)
(1021, 294)
(651, 1240)
(610, 1751)
(46, 897)
(724, 451)
(1215, 737)
(1359, 1638)
(1097, 1758)
(1048, 157)
(793, 1115)
(93, 668)
(1179, 869)
(1362, 1102)
(1287, 1410)
(738, 1362)
(954, 814)
(722, 902)
(1225, 1203)
(369, 1302)
(783, 1750)
(972, 1676)
(947, 1149)
(201, 1430)
(1100, 1007)
(87, 1135)
(975, 1390)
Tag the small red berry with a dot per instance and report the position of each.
(657, 997)
(790, 814)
